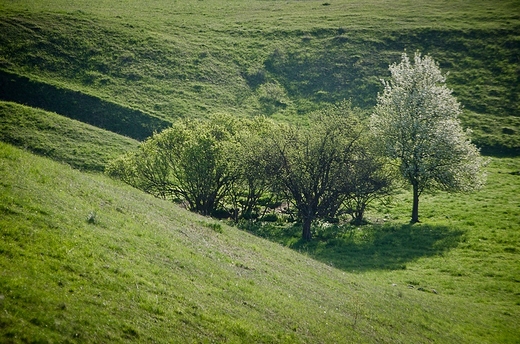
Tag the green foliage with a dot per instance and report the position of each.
(143, 169)
(370, 178)
(314, 163)
(252, 159)
(191, 162)
(219, 167)
(223, 167)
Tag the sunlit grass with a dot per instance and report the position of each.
(85, 258)
(466, 245)
(80, 145)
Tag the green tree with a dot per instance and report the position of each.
(198, 153)
(416, 122)
(370, 178)
(144, 169)
(190, 162)
(314, 163)
(253, 161)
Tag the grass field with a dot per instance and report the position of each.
(283, 58)
(86, 259)
(80, 145)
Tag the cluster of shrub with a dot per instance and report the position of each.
(237, 167)
(331, 165)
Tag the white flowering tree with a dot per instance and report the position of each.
(416, 123)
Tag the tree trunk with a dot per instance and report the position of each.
(359, 214)
(306, 231)
(415, 207)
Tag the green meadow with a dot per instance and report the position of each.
(174, 59)
(87, 259)
(81, 146)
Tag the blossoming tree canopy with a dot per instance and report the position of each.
(416, 123)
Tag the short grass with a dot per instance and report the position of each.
(467, 244)
(190, 58)
(87, 259)
(80, 145)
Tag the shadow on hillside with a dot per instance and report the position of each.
(381, 247)
(79, 106)
(372, 247)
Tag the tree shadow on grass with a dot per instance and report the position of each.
(379, 247)
(364, 248)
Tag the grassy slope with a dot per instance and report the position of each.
(80, 145)
(142, 269)
(145, 269)
(190, 58)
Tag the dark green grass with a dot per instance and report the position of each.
(80, 145)
(191, 58)
(86, 259)
(79, 106)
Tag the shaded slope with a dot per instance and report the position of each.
(78, 144)
(79, 106)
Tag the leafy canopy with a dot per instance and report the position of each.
(416, 123)
(189, 162)
(315, 162)
(228, 167)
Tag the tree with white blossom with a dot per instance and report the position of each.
(416, 123)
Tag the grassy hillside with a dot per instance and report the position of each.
(282, 58)
(80, 145)
(86, 259)
(80, 106)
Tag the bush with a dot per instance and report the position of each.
(270, 217)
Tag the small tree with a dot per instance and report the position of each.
(313, 163)
(191, 161)
(198, 153)
(370, 178)
(253, 160)
(144, 169)
(416, 122)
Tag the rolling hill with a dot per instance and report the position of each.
(281, 58)
(84, 258)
